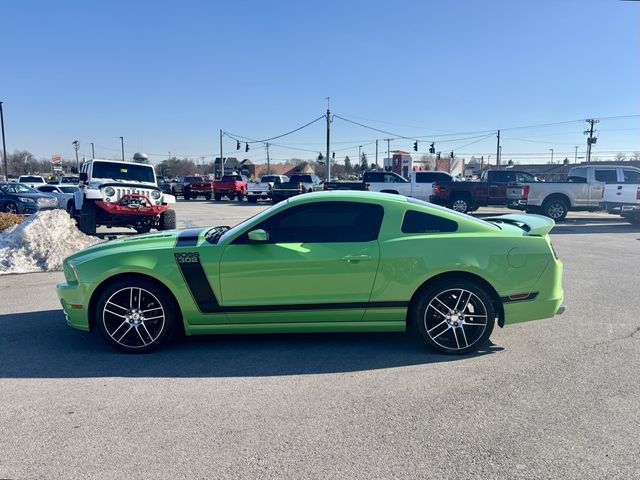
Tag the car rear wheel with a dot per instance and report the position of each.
(252, 199)
(207, 196)
(556, 209)
(10, 207)
(240, 196)
(135, 315)
(460, 204)
(217, 197)
(455, 318)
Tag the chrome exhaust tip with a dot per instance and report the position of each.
(561, 310)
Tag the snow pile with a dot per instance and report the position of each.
(41, 243)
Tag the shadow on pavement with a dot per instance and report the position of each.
(594, 226)
(41, 345)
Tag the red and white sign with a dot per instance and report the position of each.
(56, 159)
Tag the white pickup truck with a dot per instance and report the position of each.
(587, 188)
(263, 188)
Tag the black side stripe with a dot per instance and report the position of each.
(189, 237)
(198, 284)
(313, 306)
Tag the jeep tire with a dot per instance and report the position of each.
(87, 222)
(168, 220)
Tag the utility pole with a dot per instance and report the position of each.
(76, 146)
(591, 140)
(498, 151)
(359, 153)
(122, 144)
(388, 150)
(575, 159)
(93, 152)
(4, 146)
(328, 141)
(551, 149)
(377, 152)
(268, 161)
(221, 161)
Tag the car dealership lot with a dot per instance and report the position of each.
(549, 399)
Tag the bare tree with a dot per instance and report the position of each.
(620, 157)
(635, 156)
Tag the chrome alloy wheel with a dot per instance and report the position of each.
(460, 206)
(455, 319)
(555, 210)
(133, 317)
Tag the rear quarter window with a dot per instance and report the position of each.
(421, 222)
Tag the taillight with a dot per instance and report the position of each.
(299, 187)
(366, 187)
(269, 187)
(437, 188)
(525, 191)
(638, 194)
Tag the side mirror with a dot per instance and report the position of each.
(83, 176)
(258, 236)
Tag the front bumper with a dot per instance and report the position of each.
(74, 301)
(118, 208)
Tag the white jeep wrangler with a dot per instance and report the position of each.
(121, 194)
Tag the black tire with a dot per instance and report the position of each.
(168, 220)
(555, 208)
(135, 315)
(240, 196)
(142, 230)
(217, 197)
(252, 199)
(446, 324)
(535, 210)
(87, 222)
(461, 204)
(633, 219)
(10, 207)
(207, 196)
(186, 196)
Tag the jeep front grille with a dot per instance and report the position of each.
(122, 191)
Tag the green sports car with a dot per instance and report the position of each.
(338, 261)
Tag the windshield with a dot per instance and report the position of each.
(137, 173)
(16, 188)
(32, 179)
(69, 189)
(270, 178)
(231, 178)
(300, 179)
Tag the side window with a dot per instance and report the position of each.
(499, 177)
(524, 177)
(391, 178)
(420, 222)
(430, 177)
(374, 177)
(631, 176)
(607, 176)
(326, 222)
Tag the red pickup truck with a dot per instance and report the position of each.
(468, 196)
(199, 188)
(230, 186)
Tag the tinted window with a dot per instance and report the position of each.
(578, 172)
(502, 177)
(32, 179)
(194, 179)
(326, 222)
(46, 189)
(377, 177)
(420, 222)
(301, 179)
(117, 171)
(430, 177)
(231, 178)
(69, 189)
(631, 176)
(607, 176)
(271, 178)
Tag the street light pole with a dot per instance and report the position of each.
(122, 144)
(93, 152)
(4, 147)
(76, 146)
(359, 154)
(575, 159)
(551, 150)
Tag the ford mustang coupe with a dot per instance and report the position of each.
(340, 261)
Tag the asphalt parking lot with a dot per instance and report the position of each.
(556, 398)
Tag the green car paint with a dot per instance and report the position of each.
(231, 287)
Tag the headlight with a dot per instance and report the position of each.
(155, 194)
(26, 200)
(70, 273)
(109, 191)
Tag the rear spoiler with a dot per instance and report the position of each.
(532, 224)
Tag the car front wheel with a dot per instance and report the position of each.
(455, 318)
(135, 315)
(11, 207)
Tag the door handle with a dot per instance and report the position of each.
(619, 187)
(356, 258)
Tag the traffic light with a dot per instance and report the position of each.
(333, 155)
(246, 147)
(320, 157)
(451, 154)
(415, 146)
(438, 156)
(432, 148)
(237, 145)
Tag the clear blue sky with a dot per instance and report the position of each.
(168, 75)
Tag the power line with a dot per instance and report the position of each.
(231, 135)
